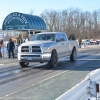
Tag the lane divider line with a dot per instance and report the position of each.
(41, 81)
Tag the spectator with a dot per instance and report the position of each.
(20, 41)
(26, 40)
(2, 42)
(80, 42)
(10, 48)
(0, 49)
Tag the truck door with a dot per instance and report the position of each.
(65, 43)
(59, 45)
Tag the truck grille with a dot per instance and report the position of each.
(25, 49)
(36, 49)
(31, 49)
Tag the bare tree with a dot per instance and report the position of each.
(51, 18)
(73, 21)
(31, 12)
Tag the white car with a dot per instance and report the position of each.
(87, 42)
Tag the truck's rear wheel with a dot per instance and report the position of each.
(54, 59)
(73, 55)
(24, 64)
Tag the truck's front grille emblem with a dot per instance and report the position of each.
(30, 49)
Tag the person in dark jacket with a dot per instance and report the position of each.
(10, 47)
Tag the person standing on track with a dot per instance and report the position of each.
(10, 48)
(80, 42)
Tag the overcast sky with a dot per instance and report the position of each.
(38, 6)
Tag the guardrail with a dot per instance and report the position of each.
(88, 89)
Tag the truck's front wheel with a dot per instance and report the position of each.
(24, 64)
(54, 59)
(73, 55)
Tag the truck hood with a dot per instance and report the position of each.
(38, 43)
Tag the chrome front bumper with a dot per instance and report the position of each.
(43, 57)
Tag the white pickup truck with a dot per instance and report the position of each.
(47, 47)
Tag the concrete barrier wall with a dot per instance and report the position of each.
(88, 89)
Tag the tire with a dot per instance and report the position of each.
(54, 60)
(73, 55)
(24, 64)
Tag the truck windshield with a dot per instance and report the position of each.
(48, 37)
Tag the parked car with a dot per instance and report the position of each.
(87, 42)
(93, 41)
(98, 42)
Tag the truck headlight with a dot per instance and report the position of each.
(46, 49)
(19, 49)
